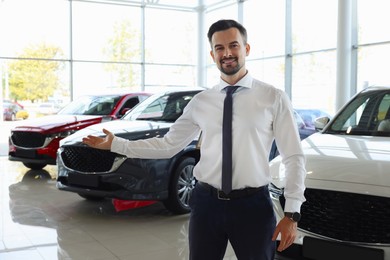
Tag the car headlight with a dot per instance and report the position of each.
(61, 134)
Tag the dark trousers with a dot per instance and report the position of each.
(248, 223)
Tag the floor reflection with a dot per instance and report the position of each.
(41, 222)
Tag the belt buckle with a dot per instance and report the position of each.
(221, 195)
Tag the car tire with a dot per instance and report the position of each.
(180, 187)
(90, 197)
(35, 166)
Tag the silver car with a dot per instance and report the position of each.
(347, 210)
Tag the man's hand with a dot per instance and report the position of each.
(103, 143)
(288, 231)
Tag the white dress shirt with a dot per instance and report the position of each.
(261, 113)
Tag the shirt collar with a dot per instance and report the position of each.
(246, 82)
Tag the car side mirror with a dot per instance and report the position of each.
(321, 122)
(124, 111)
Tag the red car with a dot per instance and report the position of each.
(11, 109)
(35, 143)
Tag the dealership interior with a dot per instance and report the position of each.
(321, 53)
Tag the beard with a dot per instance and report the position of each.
(229, 70)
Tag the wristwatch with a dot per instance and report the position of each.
(294, 216)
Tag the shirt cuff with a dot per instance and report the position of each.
(117, 145)
(292, 205)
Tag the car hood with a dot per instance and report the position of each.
(54, 122)
(340, 162)
(123, 128)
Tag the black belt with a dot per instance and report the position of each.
(234, 194)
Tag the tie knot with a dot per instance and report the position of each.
(230, 89)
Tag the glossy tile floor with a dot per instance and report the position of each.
(37, 221)
(40, 222)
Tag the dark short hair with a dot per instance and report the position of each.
(222, 25)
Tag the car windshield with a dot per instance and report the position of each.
(91, 105)
(166, 107)
(367, 114)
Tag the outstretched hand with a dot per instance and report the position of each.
(288, 231)
(103, 143)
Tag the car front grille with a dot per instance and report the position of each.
(28, 139)
(346, 216)
(86, 159)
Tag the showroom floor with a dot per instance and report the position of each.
(40, 222)
(37, 221)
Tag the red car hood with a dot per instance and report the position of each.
(54, 123)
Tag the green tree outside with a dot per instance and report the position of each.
(35, 76)
(121, 49)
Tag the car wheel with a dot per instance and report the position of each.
(180, 187)
(35, 166)
(90, 197)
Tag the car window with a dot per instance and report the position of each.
(168, 107)
(130, 103)
(91, 105)
(364, 115)
(154, 110)
(384, 108)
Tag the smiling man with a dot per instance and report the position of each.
(231, 201)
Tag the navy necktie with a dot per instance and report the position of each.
(227, 140)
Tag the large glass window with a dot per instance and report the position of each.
(372, 65)
(170, 36)
(314, 28)
(25, 23)
(314, 81)
(94, 77)
(314, 25)
(270, 71)
(103, 32)
(159, 77)
(34, 47)
(213, 76)
(373, 16)
(265, 23)
(89, 46)
(170, 49)
(374, 43)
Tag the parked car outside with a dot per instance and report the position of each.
(35, 142)
(309, 115)
(13, 111)
(303, 130)
(48, 108)
(347, 210)
(98, 174)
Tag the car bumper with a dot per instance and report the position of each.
(114, 194)
(42, 155)
(31, 156)
(308, 245)
(134, 179)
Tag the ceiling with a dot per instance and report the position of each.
(192, 5)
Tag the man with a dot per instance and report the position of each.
(243, 216)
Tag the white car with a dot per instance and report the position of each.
(347, 210)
